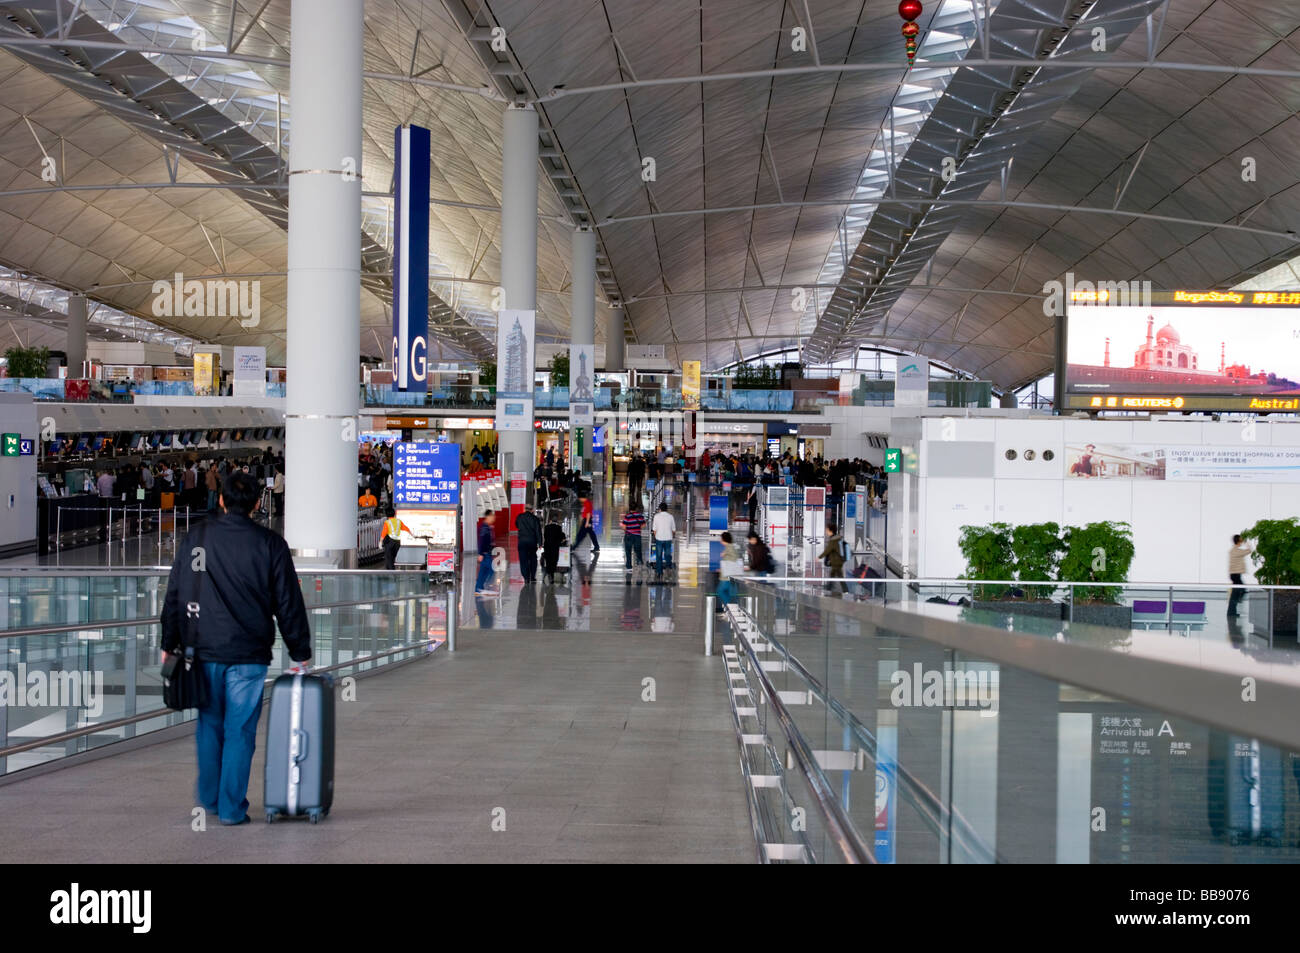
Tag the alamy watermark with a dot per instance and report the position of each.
(1059, 294)
(945, 688)
(41, 689)
(209, 298)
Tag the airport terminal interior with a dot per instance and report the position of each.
(689, 431)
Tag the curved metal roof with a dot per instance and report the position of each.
(800, 196)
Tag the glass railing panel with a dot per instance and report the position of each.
(64, 682)
(941, 756)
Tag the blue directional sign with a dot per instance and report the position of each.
(26, 447)
(426, 475)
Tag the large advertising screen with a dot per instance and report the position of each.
(1185, 351)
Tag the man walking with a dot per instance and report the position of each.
(246, 585)
(214, 489)
(633, 522)
(586, 527)
(485, 546)
(664, 528)
(1236, 569)
(835, 555)
(529, 528)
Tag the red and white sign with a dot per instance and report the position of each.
(518, 491)
(441, 561)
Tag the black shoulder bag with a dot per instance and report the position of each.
(185, 685)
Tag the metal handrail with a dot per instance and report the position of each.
(752, 796)
(841, 829)
(934, 809)
(916, 581)
(1181, 686)
(157, 619)
(157, 712)
(108, 571)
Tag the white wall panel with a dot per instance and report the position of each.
(1096, 501)
(1167, 523)
(1226, 510)
(949, 505)
(1021, 436)
(1027, 501)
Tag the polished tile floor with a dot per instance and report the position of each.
(579, 722)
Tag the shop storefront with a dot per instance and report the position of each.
(730, 436)
(803, 441)
(467, 432)
(552, 434)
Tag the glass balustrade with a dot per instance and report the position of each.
(1057, 741)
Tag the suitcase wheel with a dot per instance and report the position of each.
(314, 817)
(270, 817)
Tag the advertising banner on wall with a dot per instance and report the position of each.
(207, 374)
(515, 339)
(411, 257)
(250, 372)
(690, 384)
(1242, 464)
(582, 388)
(912, 382)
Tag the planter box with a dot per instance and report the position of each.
(1286, 603)
(1040, 608)
(1112, 616)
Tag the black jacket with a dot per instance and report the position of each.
(553, 537)
(248, 581)
(530, 530)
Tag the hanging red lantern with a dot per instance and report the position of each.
(909, 10)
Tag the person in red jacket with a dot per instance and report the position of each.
(586, 528)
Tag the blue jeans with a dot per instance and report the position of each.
(726, 592)
(663, 554)
(226, 738)
(632, 547)
(484, 571)
(212, 500)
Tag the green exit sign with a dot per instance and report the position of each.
(893, 460)
(13, 444)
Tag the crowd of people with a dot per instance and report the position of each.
(188, 481)
(744, 469)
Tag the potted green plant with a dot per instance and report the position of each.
(988, 555)
(1277, 563)
(30, 362)
(559, 369)
(1100, 554)
(1037, 548)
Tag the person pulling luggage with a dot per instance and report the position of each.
(245, 586)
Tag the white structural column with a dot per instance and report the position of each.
(76, 344)
(614, 340)
(519, 250)
(324, 297)
(582, 324)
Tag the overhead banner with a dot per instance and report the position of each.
(1245, 464)
(582, 389)
(515, 339)
(411, 258)
(912, 382)
(250, 372)
(691, 384)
